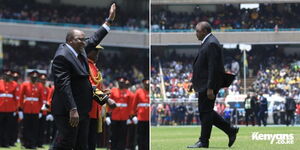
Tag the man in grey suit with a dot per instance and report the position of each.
(208, 78)
(72, 99)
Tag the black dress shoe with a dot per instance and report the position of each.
(30, 147)
(232, 137)
(5, 146)
(198, 145)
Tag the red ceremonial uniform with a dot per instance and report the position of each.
(17, 94)
(31, 99)
(50, 95)
(95, 78)
(140, 105)
(45, 95)
(122, 99)
(8, 102)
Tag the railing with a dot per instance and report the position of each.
(228, 30)
(71, 25)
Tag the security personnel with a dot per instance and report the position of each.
(50, 127)
(8, 106)
(249, 106)
(15, 126)
(119, 115)
(140, 107)
(44, 110)
(31, 101)
(290, 108)
(96, 81)
(263, 109)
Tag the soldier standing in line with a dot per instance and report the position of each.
(31, 101)
(141, 108)
(8, 107)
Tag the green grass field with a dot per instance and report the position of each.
(177, 138)
(18, 147)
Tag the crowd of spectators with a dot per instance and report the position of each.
(229, 16)
(176, 77)
(279, 77)
(275, 74)
(112, 65)
(30, 10)
(188, 114)
(177, 74)
(172, 113)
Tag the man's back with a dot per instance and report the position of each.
(290, 104)
(208, 67)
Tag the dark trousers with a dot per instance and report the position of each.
(5, 127)
(131, 136)
(275, 117)
(249, 116)
(67, 137)
(42, 128)
(14, 130)
(189, 119)
(212, 118)
(290, 117)
(92, 134)
(143, 135)
(118, 137)
(282, 117)
(209, 117)
(30, 129)
(262, 118)
(50, 131)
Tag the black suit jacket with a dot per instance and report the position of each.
(208, 67)
(72, 86)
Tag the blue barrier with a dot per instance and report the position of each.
(228, 30)
(140, 29)
(71, 25)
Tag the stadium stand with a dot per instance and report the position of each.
(229, 16)
(33, 11)
(38, 56)
(270, 70)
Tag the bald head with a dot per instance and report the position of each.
(202, 29)
(76, 39)
(71, 34)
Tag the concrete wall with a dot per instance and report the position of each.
(157, 2)
(125, 4)
(190, 8)
(189, 38)
(58, 34)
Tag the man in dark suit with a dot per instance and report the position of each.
(72, 99)
(208, 78)
(290, 107)
(263, 109)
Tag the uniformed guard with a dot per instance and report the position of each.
(31, 101)
(15, 125)
(96, 81)
(141, 109)
(120, 115)
(131, 123)
(8, 107)
(44, 110)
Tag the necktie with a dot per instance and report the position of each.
(81, 59)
